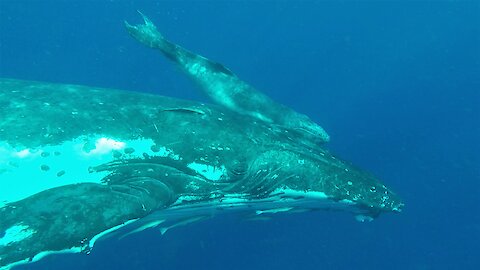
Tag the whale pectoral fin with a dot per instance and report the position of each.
(69, 218)
(146, 33)
(184, 110)
(144, 227)
(183, 222)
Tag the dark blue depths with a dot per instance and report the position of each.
(397, 86)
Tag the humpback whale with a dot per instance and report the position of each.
(225, 88)
(78, 163)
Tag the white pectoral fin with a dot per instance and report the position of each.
(273, 211)
(183, 222)
(163, 230)
(149, 225)
(363, 218)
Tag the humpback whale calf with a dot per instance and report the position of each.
(78, 163)
(225, 88)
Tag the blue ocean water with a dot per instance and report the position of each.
(396, 84)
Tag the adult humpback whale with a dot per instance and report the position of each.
(79, 162)
(225, 88)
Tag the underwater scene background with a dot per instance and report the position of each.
(395, 83)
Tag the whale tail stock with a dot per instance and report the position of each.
(148, 35)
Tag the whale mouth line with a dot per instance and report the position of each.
(294, 201)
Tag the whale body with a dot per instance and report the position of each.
(79, 162)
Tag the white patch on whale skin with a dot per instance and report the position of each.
(210, 172)
(185, 199)
(165, 152)
(44, 254)
(23, 153)
(16, 233)
(104, 146)
(27, 171)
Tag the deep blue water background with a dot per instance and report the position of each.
(396, 84)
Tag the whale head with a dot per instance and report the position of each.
(289, 180)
